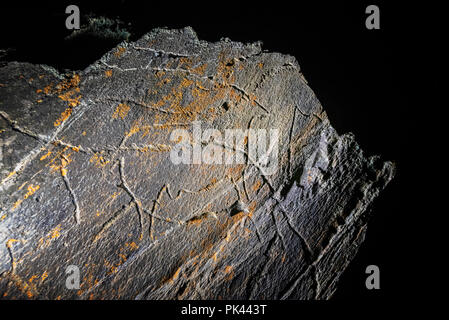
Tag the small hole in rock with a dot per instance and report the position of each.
(225, 106)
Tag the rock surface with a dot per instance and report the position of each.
(87, 180)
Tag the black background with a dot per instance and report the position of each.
(365, 79)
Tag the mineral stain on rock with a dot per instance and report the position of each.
(86, 178)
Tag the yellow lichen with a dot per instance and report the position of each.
(229, 271)
(60, 161)
(31, 190)
(10, 242)
(63, 117)
(67, 90)
(121, 111)
(45, 155)
(55, 232)
(98, 160)
(119, 52)
(44, 276)
(132, 245)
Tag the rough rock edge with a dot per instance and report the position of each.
(338, 239)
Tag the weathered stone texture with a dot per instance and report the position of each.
(86, 178)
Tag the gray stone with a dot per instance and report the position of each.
(87, 180)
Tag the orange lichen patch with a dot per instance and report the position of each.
(172, 278)
(134, 129)
(69, 97)
(64, 116)
(25, 287)
(253, 99)
(175, 275)
(284, 257)
(146, 129)
(252, 206)
(119, 52)
(235, 96)
(47, 89)
(114, 195)
(73, 102)
(108, 73)
(238, 216)
(9, 176)
(64, 162)
(66, 84)
(199, 70)
(45, 155)
(121, 111)
(3, 217)
(23, 185)
(55, 232)
(10, 242)
(98, 213)
(67, 90)
(203, 98)
(44, 276)
(260, 65)
(9, 246)
(212, 184)
(229, 272)
(132, 245)
(215, 256)
(185, 83)
(60, 161)
(160, 73)
(44, 242)
(162, 82)
(195, 221)
(235, 171)
(84, 133)
(98, 160)
(31, 279)
(113, 268)
(256, 186)
(31, 190)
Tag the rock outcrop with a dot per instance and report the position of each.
(87, 178)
